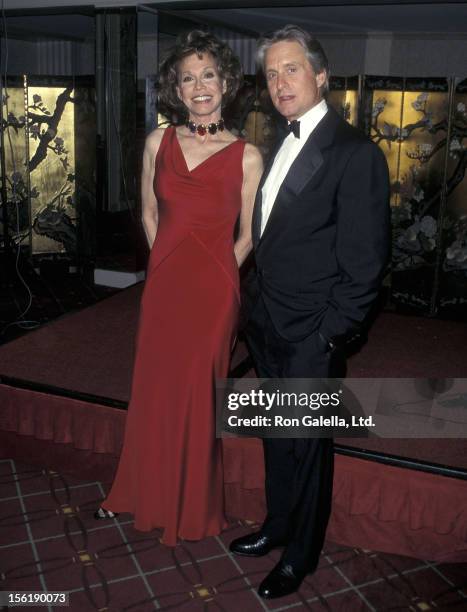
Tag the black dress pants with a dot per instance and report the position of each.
(299, 472)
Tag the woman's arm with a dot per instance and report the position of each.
(148, 197)
(252, 171)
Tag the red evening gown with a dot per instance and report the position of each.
(170, 472)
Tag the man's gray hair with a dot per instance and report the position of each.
(313, 50)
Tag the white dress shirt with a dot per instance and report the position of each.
(285, 157)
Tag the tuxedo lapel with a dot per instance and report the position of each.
(303, 169)
(256, 222)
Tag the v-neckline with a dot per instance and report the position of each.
(204, 160)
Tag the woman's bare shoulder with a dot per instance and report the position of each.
(153, 140)
(252, 157)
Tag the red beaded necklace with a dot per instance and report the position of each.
(203, 128)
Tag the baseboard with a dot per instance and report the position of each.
(117, 278)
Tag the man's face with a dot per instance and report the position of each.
(292, 82)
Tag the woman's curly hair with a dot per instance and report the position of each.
(198, 42)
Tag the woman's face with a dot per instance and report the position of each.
(200, 87)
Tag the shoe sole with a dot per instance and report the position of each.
(245, 554)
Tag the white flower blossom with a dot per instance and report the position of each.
(419, 103)
(378, 107)
(425, 148)
(418, 195)
(461, 107)
(428, 226)
(455, 145)
(401, 133)
(456, 255)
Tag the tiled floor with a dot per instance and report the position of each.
(50, 541)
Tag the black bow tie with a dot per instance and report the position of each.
(294, 127)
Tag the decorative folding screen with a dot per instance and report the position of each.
(49, 151)
(343, 96)
(452, 285)
(410, 120)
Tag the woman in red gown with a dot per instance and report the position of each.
(197, 180)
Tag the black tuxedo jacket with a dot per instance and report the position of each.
(320, 259)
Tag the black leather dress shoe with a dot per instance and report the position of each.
(281, 581)
(254, 545)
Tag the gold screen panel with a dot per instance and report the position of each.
(16, 154)
(52, 169)
(391, 102)
(345, 102)
(454, 254)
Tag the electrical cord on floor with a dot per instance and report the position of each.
(20, 321)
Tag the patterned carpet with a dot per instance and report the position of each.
(50, 541)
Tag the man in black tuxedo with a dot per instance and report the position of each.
(320, 236)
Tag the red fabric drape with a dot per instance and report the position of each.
(64, 420)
